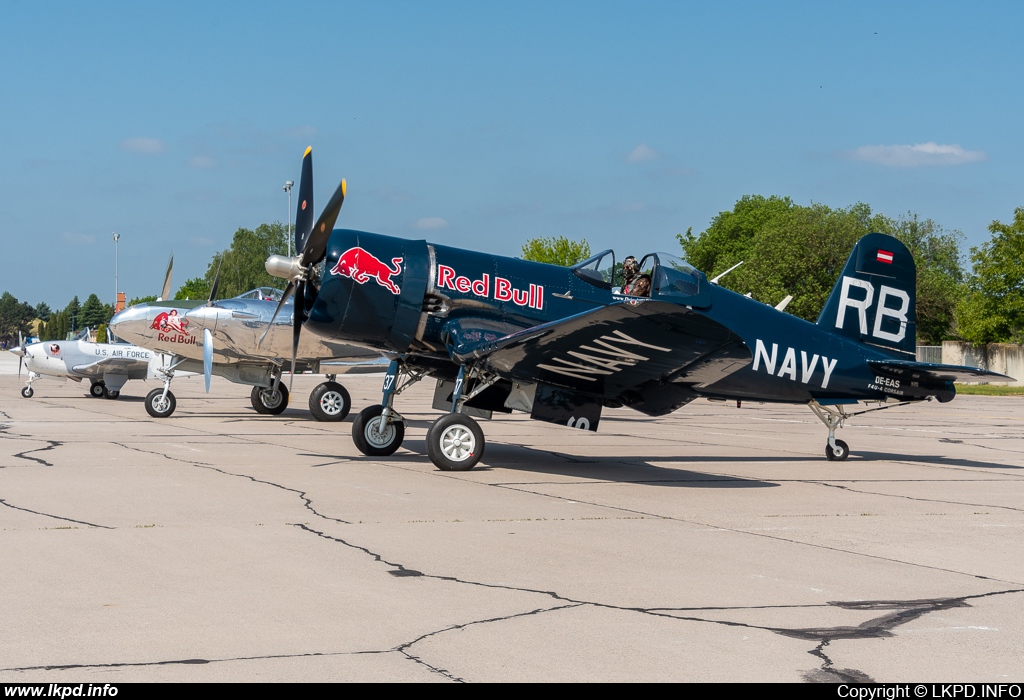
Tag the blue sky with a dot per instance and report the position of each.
(483, 125)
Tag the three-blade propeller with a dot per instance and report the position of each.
(310, 247)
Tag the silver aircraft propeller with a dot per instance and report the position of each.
(207, 335)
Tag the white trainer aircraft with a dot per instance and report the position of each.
(107, 366)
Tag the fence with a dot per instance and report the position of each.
(998, 357)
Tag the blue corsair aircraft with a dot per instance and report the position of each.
(503, 334)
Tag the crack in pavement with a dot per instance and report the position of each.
(56, 517)
(307, 502)
(445, 672)
(915, 498)
(766, 535)
(52, 444)
(905, 611)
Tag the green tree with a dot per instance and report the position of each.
(56, 328)
(43, 311)
(15, 316)
(73, 311)
(787, 248)
(244, 262)
(142, 300)
(993, 309)
(556, 251)
(195, 288)
(93, 313)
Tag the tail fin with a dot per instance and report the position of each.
(874, 300)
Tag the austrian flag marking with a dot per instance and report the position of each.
(884, 256)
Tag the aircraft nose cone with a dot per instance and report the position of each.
(17, 350)
(132, 314)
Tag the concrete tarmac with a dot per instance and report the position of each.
(714, 544)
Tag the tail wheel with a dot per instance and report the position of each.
(98, 389)
(330, 402)
(455, 443)
(841, 452)
(27, 392)
(158, 405)
(372, 436)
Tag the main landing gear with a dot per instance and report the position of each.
(330, 401)
(98, 389)
(455, 441)
(269, 400)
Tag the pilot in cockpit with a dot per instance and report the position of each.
(633, 283)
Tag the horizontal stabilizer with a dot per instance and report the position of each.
(937, 372)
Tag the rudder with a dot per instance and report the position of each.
(874, 300)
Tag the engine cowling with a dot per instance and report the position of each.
(372, 290)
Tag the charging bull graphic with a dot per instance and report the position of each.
(361, 265)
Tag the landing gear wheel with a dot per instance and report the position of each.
(330, 402)
(254, 397)
(269, 402)
(111, 394)
(98, 389)
(373, 439)
(27, 392)
(157, 408)
(841, 452)
(455, 443)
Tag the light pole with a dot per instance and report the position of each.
(116, 285)
(288, 188)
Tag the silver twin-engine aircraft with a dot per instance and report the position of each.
(223, 338)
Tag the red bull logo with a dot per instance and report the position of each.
(360, 266)
(172, 328)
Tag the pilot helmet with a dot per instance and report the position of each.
(630, 267)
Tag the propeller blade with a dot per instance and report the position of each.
(207, 357)
(165, 293)
(316, 246)
(284, 298)
(298, 316)
(21, 352)
(20, 360)
(304, 213)
(216, 282)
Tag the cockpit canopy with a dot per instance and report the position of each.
(264, 293)
(672, 279)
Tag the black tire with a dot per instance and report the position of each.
(111, 394)
(455, 443)
(254, 397)
(330, 402)
(27, 392)
(98, 389)
(274, 402)
(370, 440)
(843, 453)
(154, 406)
